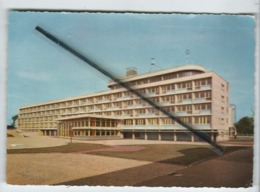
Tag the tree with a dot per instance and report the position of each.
(245, 125)
(14, 118)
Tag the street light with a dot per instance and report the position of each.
(70, 133)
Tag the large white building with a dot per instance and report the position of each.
(197, 97)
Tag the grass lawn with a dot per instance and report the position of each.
(165, 153)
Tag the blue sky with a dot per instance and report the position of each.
(40, 71)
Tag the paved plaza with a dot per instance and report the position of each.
(89, 167)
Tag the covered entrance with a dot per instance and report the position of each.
(48, 131)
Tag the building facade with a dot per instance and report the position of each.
(197, 97)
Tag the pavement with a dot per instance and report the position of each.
(231, 170)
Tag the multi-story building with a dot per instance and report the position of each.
(197, 97)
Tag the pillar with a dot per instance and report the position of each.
(174, 136)
(212, 137)
(133, 135)
(159, 136)
(192, 138)
(145, 135)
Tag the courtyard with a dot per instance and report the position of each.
(42, 160)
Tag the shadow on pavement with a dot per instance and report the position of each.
(230, 170)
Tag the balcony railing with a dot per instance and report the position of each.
(201, 126)
(123, 98)
(180, 113)
(203, 87)
(202, 112)
(184, 101)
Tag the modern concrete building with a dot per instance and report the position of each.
(197, 97)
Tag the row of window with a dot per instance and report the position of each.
(89, 122)
(171, 99)
(113, 97)
(168, 121)
(159, 78)
(37, 125)
(130, 112)
(66, 133)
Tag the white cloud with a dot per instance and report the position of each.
(38, 76)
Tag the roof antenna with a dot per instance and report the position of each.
(153, 64)
(188, 59)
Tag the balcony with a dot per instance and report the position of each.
(203, 87)
(182, 113)
(133, 127)
(123, 98)
(113, 108)
(95, 110)
(184, 101)
(136, 106)
(202, 112)
(127, 115)
(151, 94)
(169, 92)
(198, 100)
(201, 126)
(104, 101)
(166, 127)
(148, 115)
(180, 90)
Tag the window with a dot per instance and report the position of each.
(118, 104)
(222, 98)
(168, 98)
(153, 121)
(186, 108)
(202, 120)
(139, 102)
(222, 109)
(204, 94)
(128, 103)
(128, 112)
(167, 121)
(128, 94)
(170, 76)
(202, 82)
(118, 113)
(169, 109)
(154, 79)
(153, 111)
(184, 85)
(98, 123)
(222, 86)
(221, 120)
(153, 90)
(140, 111)
(140, 122)
(182, 97)
(128, 122)
(186, 120)
(205, 106)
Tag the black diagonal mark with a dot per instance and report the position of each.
(217, 148)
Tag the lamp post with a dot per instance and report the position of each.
(70, 133)
(234, 120)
